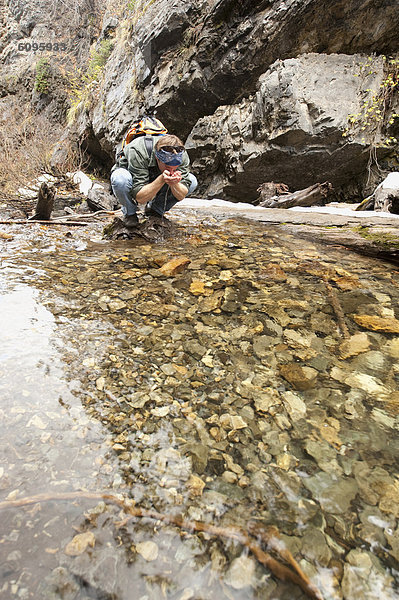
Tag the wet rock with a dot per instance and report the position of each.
(321, 322)
(188, 549)
(381, 417)
(229, 477)
(373, 362)
(195, 348)
(211, 303)
(262, 345)
(294, 405)
(241, 573)
(228, 421)
(272, 329)
(99, 571)
(375, 323)
(361, 381)
(389, 500)
(215, 502)
(152, 308)
(372, 534)
(195, 485)
(363, 575)
(148, 550)
(296, 339)
(335, 495)
(197, 287)
(282, 422)
(354, 345)
(60, 585)
(301, 378)
(174, 266)
(286, 461)
(115, 305)
(324, 455)
(233, 466)
(392, 348)
(315, 547)
(393, 540)
(199, 456)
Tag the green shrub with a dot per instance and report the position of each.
(98, 60)
(81, 84)
(377, 112)
(43, 75)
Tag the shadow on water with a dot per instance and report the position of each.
(225, 393)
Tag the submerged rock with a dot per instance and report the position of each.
(241, 573)
(335, 495)
(364, 577)
(356, 344)
(301, 378)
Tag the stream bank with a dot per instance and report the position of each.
(371, 233)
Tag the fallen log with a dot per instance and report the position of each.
(45, 203)
(314, 194)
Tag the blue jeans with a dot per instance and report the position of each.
(122, 183)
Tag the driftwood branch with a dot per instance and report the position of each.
(35, 222)
(75, 215)
(234, 533)
(64, 220)
(308, 197)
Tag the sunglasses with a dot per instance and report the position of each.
(172, 149)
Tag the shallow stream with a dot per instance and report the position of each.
(228, 393)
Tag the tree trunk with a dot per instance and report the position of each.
(45, 203)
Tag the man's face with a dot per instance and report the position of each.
(163, 167)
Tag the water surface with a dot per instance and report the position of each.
(224, 393)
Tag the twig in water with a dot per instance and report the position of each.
(234, 533)
(335, 303)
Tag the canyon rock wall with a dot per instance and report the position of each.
(262, 89)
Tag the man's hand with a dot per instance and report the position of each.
(172, 177)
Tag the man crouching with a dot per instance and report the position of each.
(152, 171)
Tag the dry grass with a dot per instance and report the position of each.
(27, 142)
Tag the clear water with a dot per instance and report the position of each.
(220, 394)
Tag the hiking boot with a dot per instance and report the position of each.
(130, 221)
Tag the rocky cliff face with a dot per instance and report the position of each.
(261, 88)
(64, 30)
(290, 130)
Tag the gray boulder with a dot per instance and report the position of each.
(98, 198)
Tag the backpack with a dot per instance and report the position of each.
(143, 126)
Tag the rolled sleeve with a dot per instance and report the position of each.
(185, 170)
